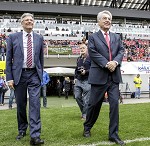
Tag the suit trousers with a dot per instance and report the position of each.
(59, 92)
(30, 82)
(95, 103)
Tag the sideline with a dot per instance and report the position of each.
(111, 143)
(67, 103)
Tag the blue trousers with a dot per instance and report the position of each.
(29, 81)
(11, 97)
(137, 92)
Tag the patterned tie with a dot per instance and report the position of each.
(29, 51)
(108, 43)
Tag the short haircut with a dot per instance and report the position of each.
(83, 45)
(26, 14)
(100, 14)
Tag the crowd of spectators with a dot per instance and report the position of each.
(136, 50)
(2, 47)
(63, 42)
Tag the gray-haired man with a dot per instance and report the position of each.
(24, 69)
(106, 52)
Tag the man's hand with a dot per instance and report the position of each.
(111, 65)
(11, 84)
(74, 81)
(83, 72)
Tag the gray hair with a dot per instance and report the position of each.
(26, 14)
(100, 14)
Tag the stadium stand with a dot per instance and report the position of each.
(63, 29)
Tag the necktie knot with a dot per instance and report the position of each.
(28, 35)
(106, 33)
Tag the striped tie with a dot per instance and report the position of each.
(29, 51)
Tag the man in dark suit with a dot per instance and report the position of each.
(24, 69)
(106, 53)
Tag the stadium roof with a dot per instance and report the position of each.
(132, 9)
(121, 4)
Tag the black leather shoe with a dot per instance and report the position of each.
(36, 141)
(87, 134)
(20, 135)
(117, 141)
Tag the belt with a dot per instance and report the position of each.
(28, 69)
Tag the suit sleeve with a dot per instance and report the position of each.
(9, 59)
(120, 53)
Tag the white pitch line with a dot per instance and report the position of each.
(111, 143)
(138, 139)
(99, 143)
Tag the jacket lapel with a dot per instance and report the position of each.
(100, 35)
(35, 44)
(111, 38)
(20, 40)
(111, 41)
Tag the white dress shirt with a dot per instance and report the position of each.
(105, 35)
(109, 39)
(25, 39)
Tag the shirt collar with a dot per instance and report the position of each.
(104, 32)
(25, 33)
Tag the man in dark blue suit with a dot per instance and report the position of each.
(106, 53)
(24, 69)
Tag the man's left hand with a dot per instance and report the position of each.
(111, 65)
(83, 72)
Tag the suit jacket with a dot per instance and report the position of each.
(15, 56)
(99, 54)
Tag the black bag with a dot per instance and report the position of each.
(5, 88)
(133, 95)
